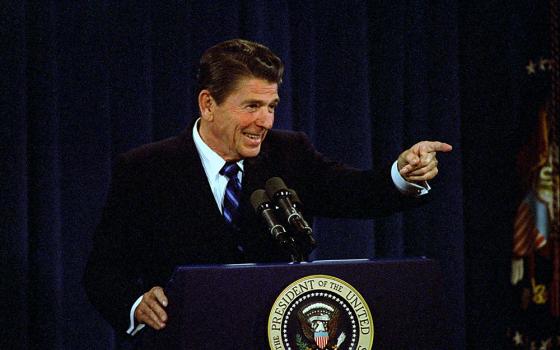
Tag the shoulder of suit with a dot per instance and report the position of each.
(280, 135)
(168, 148)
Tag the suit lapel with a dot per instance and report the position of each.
(195, 188)
(256, 171)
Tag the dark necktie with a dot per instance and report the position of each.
(232, 194)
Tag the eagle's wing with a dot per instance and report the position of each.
(305, 327)
(333, 324)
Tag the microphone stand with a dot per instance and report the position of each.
(291, 247)
(297, 245)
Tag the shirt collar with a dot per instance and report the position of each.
(211, 161)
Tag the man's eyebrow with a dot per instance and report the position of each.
(254, 100)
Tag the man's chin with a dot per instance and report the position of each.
(251, 153)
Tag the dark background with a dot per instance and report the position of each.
(85, 80)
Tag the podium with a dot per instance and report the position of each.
(232, 306)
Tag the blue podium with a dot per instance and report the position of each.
(342, 304)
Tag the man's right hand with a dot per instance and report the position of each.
(151, 309)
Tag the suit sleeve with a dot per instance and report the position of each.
(111, 279)
(333, 189)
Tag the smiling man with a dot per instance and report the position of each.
(185, 200)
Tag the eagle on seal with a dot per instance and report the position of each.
(319, 323)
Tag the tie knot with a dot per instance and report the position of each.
(230, 169)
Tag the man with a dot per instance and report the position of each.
(171, 201)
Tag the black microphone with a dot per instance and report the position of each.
(298, 205)
(263, 207)
(295, 199)
(280, 194)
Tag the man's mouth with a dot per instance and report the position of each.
(255, 137)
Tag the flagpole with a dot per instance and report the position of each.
(553, 148)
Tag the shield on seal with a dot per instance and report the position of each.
(321, 339)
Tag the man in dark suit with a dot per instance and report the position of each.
(170, 201)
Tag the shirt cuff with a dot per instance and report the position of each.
(132, 330)
(408, 188)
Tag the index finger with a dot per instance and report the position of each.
(434, 146)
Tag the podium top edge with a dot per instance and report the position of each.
(307, 263)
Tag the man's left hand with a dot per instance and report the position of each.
(419, 163)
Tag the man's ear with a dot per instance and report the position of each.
(206, 104)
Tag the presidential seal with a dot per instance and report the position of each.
(320, 312)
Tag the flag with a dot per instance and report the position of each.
(535, 271)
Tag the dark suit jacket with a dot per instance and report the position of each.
(161, 213)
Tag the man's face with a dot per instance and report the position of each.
(236, 128)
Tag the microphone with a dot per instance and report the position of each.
(263, 207)
(296, 202)
(281, 195)
(298, 205)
